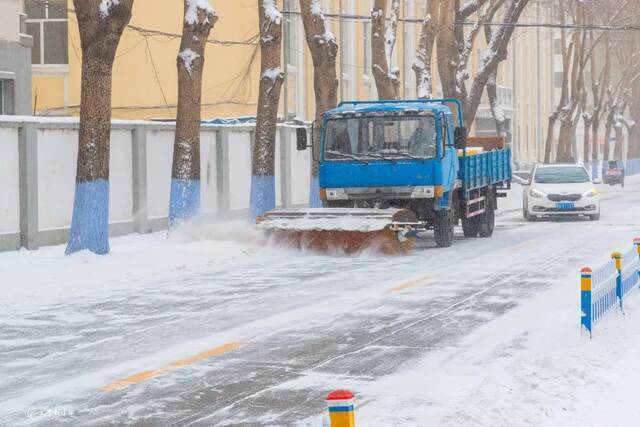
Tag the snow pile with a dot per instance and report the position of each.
(188, 56)
(106, 6)
(46, 275)
(191, 14)
(271, 11)
(528, 367)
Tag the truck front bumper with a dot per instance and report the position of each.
(379, 193)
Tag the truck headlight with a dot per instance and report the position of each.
(336, 194)
(422, 192)
(537, 194)
(591, 193)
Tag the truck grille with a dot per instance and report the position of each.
(564, 197)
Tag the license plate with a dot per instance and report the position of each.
(565, 206)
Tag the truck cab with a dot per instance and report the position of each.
(409, 155)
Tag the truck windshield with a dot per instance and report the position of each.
(561, 175)
(389, 138)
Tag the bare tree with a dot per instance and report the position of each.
(324, 51)
(634, 112)
(101, 23)
(569, 111)
(499, 116)
(599, 83)
(263, 159)
(577, 50)
(454, 47)
(424, 55)
(199, 19)
(383, 40)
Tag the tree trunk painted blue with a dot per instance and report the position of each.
(263, 195)
(90, 221)
(184, 201)
(314, 193)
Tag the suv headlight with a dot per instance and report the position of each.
(336, 194)
(591, 193)
(422, 192)
(537, 194)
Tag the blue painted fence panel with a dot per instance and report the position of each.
(609, 288)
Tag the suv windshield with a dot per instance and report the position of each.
(370, 138)
(561, 175)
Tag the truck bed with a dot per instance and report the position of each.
(484, 169)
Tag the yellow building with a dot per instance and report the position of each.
(145, 77)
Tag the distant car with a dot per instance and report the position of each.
(560, 190)
(613, 172)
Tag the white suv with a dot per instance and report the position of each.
(560, 190)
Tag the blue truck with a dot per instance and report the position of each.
(378, 159)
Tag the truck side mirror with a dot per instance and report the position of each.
(460, 138)
(301, 139)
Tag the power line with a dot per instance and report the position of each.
(365, 18)
(155, 71)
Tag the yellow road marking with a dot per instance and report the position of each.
(415, 282)
(143, 376)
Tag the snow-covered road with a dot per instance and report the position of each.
(210, 328)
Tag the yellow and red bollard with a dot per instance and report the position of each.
(341, 408)
(636, 242)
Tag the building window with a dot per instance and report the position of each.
(291, 39)
(47, 23)
(366, 44)
(347, 49)
(2, 97)
(558, 79)
(6, 97)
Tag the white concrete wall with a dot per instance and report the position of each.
(10, 11)
(208, 172)
(57, 154)
(57, 145)
(159, 159)
(239, 169)
(9, 182)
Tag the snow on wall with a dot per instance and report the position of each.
(9, 182)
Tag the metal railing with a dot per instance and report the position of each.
(608, 286)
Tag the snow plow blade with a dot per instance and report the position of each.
(350, 230)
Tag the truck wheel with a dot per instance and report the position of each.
(488, 218)
(443, 228)
(470, 227)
